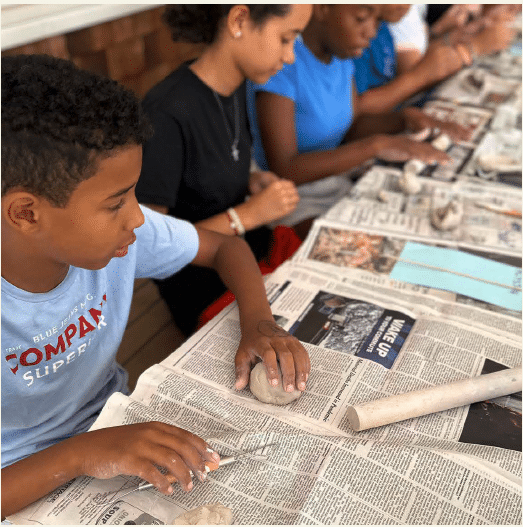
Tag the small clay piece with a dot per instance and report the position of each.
(210, 514)
(266, 393)
(448, 217)
(383, 196)
(442, 142)
(408, 182)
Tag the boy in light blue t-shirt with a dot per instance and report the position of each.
(73, 240)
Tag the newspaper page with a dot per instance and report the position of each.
(376, 204)
(478, 86)
(492, 86)
(321, 472)
(322, 253)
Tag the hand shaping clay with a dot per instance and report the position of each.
(210, 514)
(266, 393)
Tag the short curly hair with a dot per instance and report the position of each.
(57, 121)
(198, 23)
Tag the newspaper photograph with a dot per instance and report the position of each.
(428, 301)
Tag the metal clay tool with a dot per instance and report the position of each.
(209, 467)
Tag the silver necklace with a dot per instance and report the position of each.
(234, 145)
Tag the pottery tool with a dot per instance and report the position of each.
(434, 399)
(209, 467)
(500, 210)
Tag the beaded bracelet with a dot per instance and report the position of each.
(235, 222)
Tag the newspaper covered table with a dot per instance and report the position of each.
(441, 468)
(369, 336)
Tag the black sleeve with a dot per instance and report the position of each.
(163, 161)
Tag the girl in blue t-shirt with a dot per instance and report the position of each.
(301, 116)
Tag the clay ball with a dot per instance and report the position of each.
(266, 393)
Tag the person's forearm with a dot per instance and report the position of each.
(35, 476)
(222, 224)
(385, 98)
(368, 125)
(311, 166)
(239, 271)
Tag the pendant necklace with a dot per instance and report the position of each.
(234, 145)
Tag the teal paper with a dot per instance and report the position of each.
(463, 263)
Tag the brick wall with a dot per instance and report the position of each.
(136, 50)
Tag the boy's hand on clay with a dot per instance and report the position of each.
(260, 180)
(416, 120)
(135, 450)
(272, 344)
(397, 148)
(276, 200)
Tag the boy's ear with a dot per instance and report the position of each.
(21, 211)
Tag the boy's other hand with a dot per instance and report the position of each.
(135, 449)
(272, 344)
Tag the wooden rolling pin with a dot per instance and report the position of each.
(434, 399)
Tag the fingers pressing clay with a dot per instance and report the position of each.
(266, 393)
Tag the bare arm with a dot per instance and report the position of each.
(407, 59)
(277, 129)
(271, 201)
(438, 63)
(136, 449)
(261, 337)
(106, 453)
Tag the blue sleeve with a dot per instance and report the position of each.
(283, 83)
(164, 245)
(362, 67)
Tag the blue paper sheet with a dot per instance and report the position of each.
(460, 262)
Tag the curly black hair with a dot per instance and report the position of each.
(58, 121)
(197, 23)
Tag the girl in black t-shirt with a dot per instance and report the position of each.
(197, 165)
